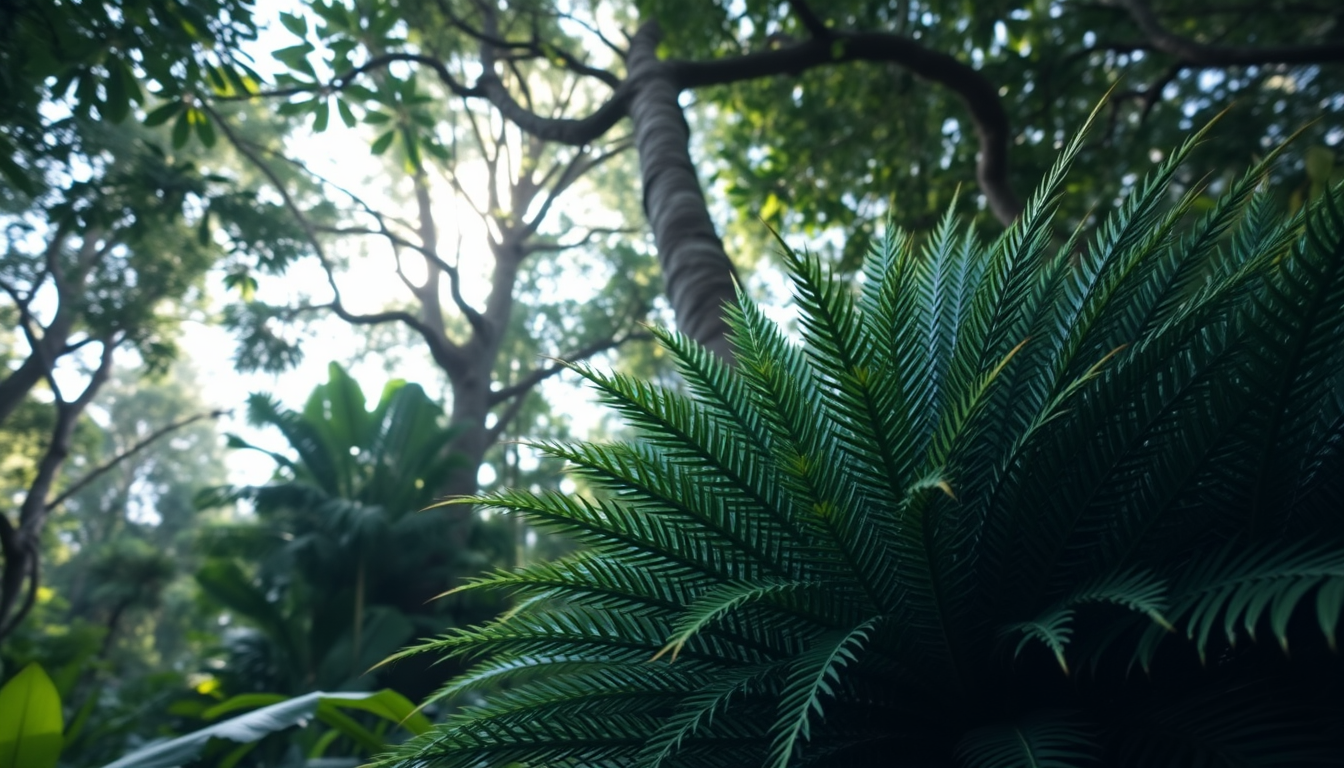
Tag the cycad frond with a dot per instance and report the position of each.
(1041, 740)
(898, 541)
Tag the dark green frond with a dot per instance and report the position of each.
(1244, 587)
(1041, 740)
(895, 539)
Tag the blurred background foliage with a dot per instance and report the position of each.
(149, 187)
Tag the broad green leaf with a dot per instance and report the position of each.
(30, 720)
(296, 24)
(245, 729)
(320, 116)
(242, 701)
(118, 101)
(163, 114)
(381, 144)
(205, 130)
(347, 116)
(181, 130)
(392, 707)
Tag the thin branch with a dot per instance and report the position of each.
(391, 237)
(144, 443)
(534, 47)
(1148, 97)
(525, 384)
(15, 295)
(429, 233)
(977, 93)
(504, 418)
(1194, 53)
(580, 165)
(343, 80)
(28, 556)
(587, 239)
(592, 29)
(440, 346)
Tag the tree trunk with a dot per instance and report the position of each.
(698, 276)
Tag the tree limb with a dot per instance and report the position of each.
(376, 63)
(526, 383)
(110, 464)
(22, 551)
(534, 47)
(580, 165)
(592, 234)
(979, 95)
(1194, 53)
(440, 346)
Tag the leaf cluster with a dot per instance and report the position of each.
(1027, 503)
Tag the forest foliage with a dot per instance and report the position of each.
(549, 185)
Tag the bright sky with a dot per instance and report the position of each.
(342, 156)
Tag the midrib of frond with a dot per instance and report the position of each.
(1200, 376)
(653, 405)
(1325, 286)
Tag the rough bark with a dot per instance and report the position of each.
(20, 544)
(697, 274)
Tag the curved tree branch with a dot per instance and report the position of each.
(142, 444)
(441, 348)
(979, 95)
(1194, 53)
(372, 65)
(532, 379)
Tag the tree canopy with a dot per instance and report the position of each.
(520, 186)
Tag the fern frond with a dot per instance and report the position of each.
(1136, 590)
(726, 598)
(1040, 740)
(1244, 587)
(699, 710)
(810, 681)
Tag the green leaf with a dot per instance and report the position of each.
(245, 729)
(1041, 740)
(411, 143)
(296, 58)
(320, 116)
(30, 720)
(392, 707)
(181, 130)
(812, 680)
(381, 144)
(12, 171)
(118, 101)
(163, 114)
(724, 599)
(205, 129)
(296, 24)
(347, 116)
(296, 107)
(242, 701)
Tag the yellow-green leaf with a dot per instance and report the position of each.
(30, 721)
